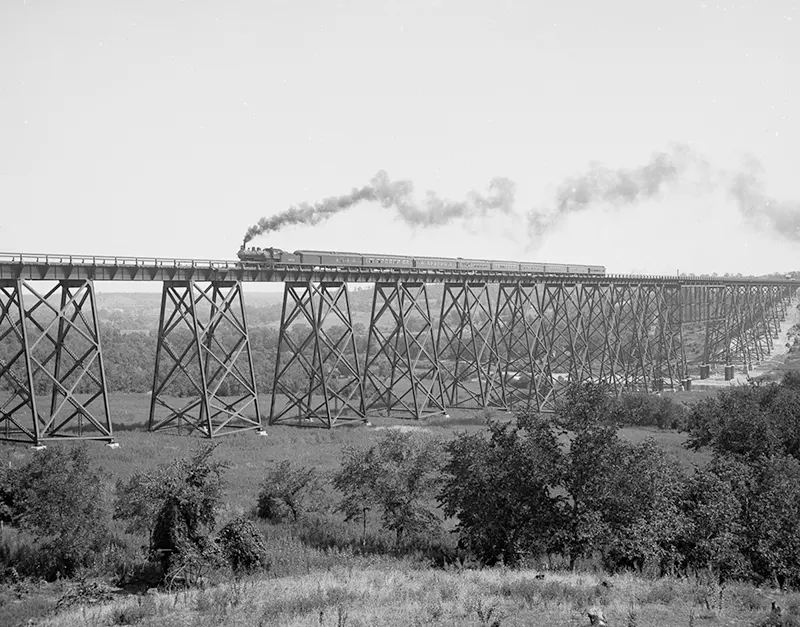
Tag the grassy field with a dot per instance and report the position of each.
(393, 594)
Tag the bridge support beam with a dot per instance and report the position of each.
(204, 378)
(317, 374)
(742, 323)
(402, 372)
(521, 361)
(52, 379)
(554, 333)
(468, 348)
(646, 337)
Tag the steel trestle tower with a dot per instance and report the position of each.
(53, 359)
(204, 377)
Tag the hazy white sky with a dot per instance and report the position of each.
(166, 128)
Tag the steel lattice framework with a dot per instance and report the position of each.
(53, 360)
(468, 347)
(402, 372)
(521, 344)
(316, 369)
(502, 339)
(742, 323)
(204, 377)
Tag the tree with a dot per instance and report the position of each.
(713, 502)
(177, 505)
(590, 494)
(773, 520)
(357, 480)
(749, 422)
(586, 405)
(59, 499)
(501, 489)
(733, 423)
(397, 476)
(645, 520)
(287, 488)
(607, 498)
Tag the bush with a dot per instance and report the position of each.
(58, 498)
(243, 546)
(650, 410)
(286, 490)
(177, 503)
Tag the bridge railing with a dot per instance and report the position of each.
(101, 260)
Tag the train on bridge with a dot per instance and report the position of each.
(327, 258)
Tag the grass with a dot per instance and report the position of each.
(364, 593)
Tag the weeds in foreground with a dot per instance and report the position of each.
(633, 616)
(134, 612)
(487, 613)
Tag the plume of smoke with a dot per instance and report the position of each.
(399, 196)
(607, 188)
(600, 185)
(758, 208)
(306, 213)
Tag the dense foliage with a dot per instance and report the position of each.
(500, 489)
(58, 498)
(517, 493)
(565, 489)
(177, 505)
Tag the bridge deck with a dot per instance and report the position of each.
(54, 267)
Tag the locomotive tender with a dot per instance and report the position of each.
(327, 258)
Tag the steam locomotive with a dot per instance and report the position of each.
(327, 258)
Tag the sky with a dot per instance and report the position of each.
(168, 128)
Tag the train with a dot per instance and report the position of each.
(364, 261)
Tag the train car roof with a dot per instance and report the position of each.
(326, 252)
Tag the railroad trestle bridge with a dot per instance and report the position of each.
(435, 340)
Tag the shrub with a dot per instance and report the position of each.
(177, 503)
(7, 494)
(243, 546)
(650, 410)
(58, 498)
(286, 490)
